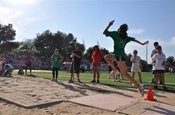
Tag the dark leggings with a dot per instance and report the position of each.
(55, 71)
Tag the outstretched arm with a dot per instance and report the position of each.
(109, 25)
(141, 42)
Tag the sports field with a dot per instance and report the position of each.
(87, 77)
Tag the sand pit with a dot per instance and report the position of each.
(37, 96)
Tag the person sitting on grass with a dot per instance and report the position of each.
(159, 67)
(8, 69)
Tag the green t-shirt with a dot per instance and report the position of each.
(56, 61)
(119, 43)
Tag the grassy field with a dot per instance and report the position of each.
(87, 77)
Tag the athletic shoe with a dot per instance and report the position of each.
(98, 81)
(56, 80)
(141, 89)
(92, 81)
(70, 81)
(52, 79)
(79, 81)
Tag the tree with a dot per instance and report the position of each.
(47, 42)
(7, 34)
(28, 46)
(170, 61)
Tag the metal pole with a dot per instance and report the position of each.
(73, 68)
(147, 53)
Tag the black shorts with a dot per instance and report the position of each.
(109, 68)
(28, 65)
(75, 68)
(120, 58)
(56, 68)
(118, 69)
(159, 71)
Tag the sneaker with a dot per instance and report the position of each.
(56, 80)
(98, 81)
(70, 81)
(141, 89)
(92, 81)
(165, 88)
(52, 79)
(79, 81)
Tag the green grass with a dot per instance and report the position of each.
(87, 77)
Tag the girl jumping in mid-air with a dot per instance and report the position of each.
(120, 39)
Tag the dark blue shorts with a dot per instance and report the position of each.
(120, 58)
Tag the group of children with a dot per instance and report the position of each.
(120, 38)
(158, 64)
(158, 67)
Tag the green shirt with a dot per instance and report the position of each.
(56, 61)
(119, 43)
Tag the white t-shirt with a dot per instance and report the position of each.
(152, 54)
(158, 59)
(136, 61)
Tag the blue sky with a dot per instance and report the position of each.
(152, 20)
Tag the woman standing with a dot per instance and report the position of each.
(96, 57)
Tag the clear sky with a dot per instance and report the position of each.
(152, 20)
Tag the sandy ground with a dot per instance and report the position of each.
(36, 90)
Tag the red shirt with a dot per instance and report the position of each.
(28, 59)
(96, 56)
